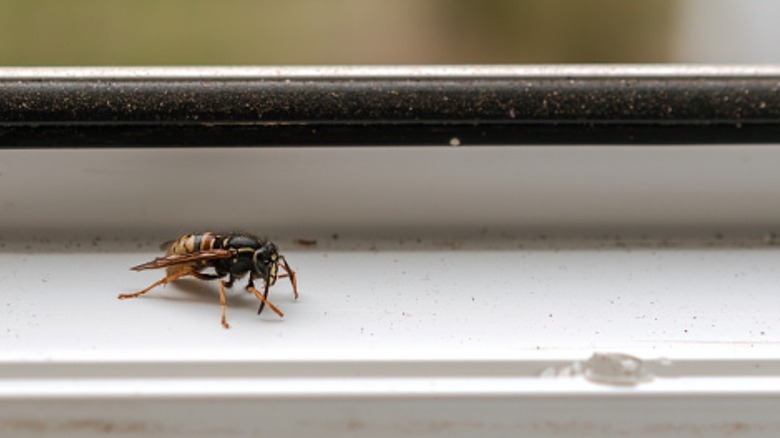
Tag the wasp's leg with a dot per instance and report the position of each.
(223, 302)
(291, 274)
(265, 295)
(165, 280)
(263, 298)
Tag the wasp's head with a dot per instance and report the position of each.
(266, 262)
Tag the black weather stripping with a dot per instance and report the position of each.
(394, 106)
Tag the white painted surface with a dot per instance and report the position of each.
(577, 191)
(463, 288)
(405, 305)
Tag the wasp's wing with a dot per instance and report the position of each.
(180, 259)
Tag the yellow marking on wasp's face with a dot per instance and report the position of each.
(273, 271)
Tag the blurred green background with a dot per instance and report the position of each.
(199, 32)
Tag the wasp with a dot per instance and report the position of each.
(231, 255)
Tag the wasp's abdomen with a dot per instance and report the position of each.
(192, 243)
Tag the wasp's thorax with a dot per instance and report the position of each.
(250, 255)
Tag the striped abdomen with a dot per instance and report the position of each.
(192, 243)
